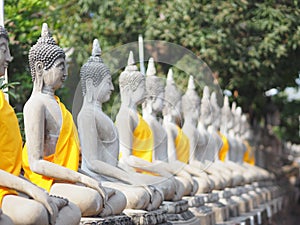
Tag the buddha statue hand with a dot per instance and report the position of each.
(156, 197)
(49, 203)
(94, 184)
(59, 201)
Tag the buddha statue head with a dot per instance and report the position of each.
(47, 62)
(206, 109)
(226, 116)
(132, 84)
(191, 102)
(237, 120)
(5, 56)
(154, 89)
(172, 97)
(95, 77)
(216, 111)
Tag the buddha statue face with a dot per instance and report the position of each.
(155, 93)
(56, 75)
(5, 56)
(104, 90)
(47, 62)
(206, 108)
(191, 102)
(173, 103)
(95, 77)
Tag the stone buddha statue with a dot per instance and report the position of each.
(153, 104)
(208, 153)
(34, 206)
(100, 142)
(51, 155)
(191, 109)
(136, 136)
(178, 142)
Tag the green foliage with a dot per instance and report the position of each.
(251, 46)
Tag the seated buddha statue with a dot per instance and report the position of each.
(100, 142)
(178, 146)
(207, 152)
(34, 206)
(153, 104)
(136, 137)
(50, 156)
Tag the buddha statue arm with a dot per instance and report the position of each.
(22, 185)
(126, 128)
(171, 144)
(34, 120)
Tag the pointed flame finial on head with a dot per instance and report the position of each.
(130, 59)
(191, 84)
(151, 71)
(96, 48)
(226, 101)
(45, 30)
(130, 63)
(170, 76)
(206, 92)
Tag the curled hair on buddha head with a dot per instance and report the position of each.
(45, 51)
(190, 99)
(94, 68)
(154, 84)
(3, 32)
(130, 77)
(172, 93)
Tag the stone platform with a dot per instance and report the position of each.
(112, 220)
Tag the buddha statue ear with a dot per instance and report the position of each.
(38, 81)
(89, 89)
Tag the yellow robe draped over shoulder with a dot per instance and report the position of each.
(182, 145)
(10, 143)
(66, 154)
(225, 147)
(249, 156)
(143, 140)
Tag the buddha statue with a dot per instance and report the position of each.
(34, 206)
(136, 136)
(208, 152)
(178, 142)
(191, 109)
(100, 142)
(153, 104)
(51, 155)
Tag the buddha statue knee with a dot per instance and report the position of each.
(51, 152)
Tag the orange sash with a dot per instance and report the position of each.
(66, 152)
(182, 145)
(143, 140)
(249, 156)
(10, 143)
(225, 147)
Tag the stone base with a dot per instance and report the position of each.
(205, 214)
(221, 211)
(111, 220)
(175, 207)
(141, 217)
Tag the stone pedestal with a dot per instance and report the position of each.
(204, 213)
(141, 217)
(232, 206)
(179, 213)
(112, 220)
